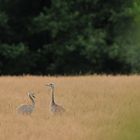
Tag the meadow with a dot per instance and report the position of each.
(97, 108)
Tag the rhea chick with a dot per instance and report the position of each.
(27, 109)
(54, 107)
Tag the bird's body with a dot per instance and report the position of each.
(27, 109)
(57, 108)
(54, 107)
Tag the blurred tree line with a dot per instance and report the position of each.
(69, 37)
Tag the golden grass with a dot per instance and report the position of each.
(97, 108)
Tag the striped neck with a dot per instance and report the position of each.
(52, 102)
(33, 102)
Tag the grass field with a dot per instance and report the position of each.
(97, 108)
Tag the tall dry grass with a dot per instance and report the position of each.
(97, 108)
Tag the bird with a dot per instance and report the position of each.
(27, 109)
(55, 108)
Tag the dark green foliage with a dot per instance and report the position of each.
(67, 37)
(15, 59)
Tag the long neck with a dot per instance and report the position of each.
(53, 102)
(33, 102)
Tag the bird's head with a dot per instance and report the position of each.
(31, 94)
(50, 85)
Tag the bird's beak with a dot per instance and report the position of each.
(47, 85)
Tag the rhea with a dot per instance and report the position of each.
(29, 108)
(55, 108)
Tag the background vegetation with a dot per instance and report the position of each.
(69, 37)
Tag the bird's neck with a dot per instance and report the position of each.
(53, 102)
(33, 102)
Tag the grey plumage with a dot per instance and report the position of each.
(54, 107)
(27, 109)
